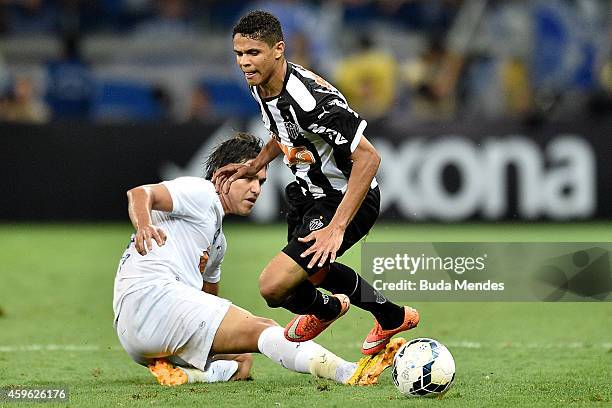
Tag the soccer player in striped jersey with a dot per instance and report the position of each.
(334, 200)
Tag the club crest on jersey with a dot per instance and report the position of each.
(293, 130)
(315, 224)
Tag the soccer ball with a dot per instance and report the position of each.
(423, 367)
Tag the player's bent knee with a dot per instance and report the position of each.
(272, 294)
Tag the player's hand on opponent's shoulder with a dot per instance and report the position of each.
(143, 239)
(226, 175)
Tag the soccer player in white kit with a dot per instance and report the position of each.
(167, 314)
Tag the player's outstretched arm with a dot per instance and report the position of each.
(226, 175)
(328, 240)
(141, 200)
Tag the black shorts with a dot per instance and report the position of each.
(308, 214)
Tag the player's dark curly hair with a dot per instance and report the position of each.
(240, 148)
(260, 25)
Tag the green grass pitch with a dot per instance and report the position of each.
(56, 327)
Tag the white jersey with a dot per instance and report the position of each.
(194, 248)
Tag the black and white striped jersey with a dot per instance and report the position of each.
(316, 129)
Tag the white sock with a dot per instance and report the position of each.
(304, 357)
(218, 370)
(330, 366)
(345, 371)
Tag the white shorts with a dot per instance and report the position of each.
(170, 319)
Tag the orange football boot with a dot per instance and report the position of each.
(307, 327)
(378, 337)
(166, 374)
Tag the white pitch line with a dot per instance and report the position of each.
(465, 344)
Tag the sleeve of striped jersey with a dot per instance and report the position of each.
(339, 125)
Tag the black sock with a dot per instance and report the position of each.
(342, 279)
(306, 299)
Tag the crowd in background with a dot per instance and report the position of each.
(435, 60)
